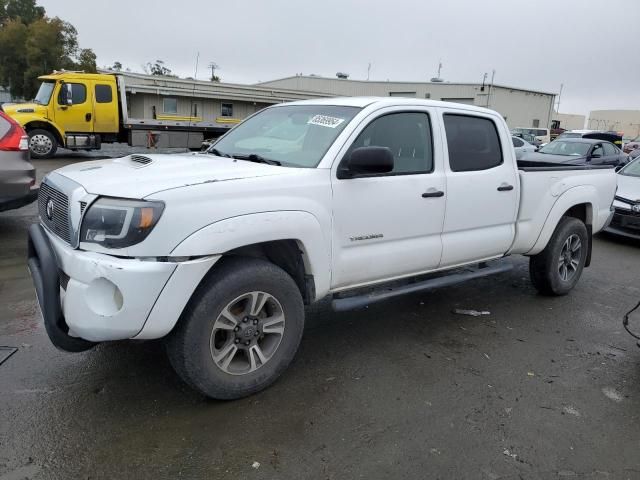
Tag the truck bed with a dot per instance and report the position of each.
(545, 189)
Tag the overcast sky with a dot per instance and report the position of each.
(590, 46)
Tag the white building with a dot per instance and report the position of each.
(520, 107)
(627, 121)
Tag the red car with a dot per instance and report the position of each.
(17, 175)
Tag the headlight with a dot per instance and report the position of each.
(119, 223)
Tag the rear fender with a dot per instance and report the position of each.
(584, 194)
(232, 233)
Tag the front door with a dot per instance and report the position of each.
(76, 116)
(388, 225)
(482, 188)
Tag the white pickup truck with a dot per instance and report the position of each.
(359, 199)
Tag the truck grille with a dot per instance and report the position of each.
(57, 219)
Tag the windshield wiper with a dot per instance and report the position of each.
(253, 157)
(218, 153)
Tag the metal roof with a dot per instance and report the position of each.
(404, 82)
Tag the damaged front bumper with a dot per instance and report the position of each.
(88, 297)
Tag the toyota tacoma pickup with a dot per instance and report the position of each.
(357, 199)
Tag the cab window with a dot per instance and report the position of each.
(78, 93)
(473, 142)
(103, 94)
(407, 135)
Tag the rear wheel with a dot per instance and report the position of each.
(240, 331)
(557, 269)
(42, 143)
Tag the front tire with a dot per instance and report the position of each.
(42, 143)
(240, 330)
(557, 269)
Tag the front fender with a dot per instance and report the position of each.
(34, 121)
(584, 194)
(231, 233)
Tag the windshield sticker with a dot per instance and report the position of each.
(325, 121)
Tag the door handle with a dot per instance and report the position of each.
(505, 187)
(433, 194)
(87, 117)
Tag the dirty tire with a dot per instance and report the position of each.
(191, 346)
(546, 270)
(42, 143)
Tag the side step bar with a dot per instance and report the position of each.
(341, 304)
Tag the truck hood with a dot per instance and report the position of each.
(137, 176)
(19, 110)
(628, 187)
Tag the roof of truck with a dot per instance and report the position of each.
(362, 102)
(73, 75)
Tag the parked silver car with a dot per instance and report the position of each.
(626, 218)
(17, 175)
(521, 146)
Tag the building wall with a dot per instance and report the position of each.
(570, 121)
(208, 109)
(520, 107)
(627, 121)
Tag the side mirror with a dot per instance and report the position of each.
(367, 161)
(618, 168)
(66, 94)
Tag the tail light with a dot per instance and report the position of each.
(15, 139)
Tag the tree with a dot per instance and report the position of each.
(26, 10)
(117, 66)
(86, 60)
(158, 68)
(32, 44)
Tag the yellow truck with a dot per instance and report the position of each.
(80, 111)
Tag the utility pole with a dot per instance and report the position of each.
(493, 75)
(213, 66)
(559, 95)
(368, 70)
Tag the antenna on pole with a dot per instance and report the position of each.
(437, 78)
(213, 66)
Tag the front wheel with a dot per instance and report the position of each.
(240, 331)
(557, 269)
(42, 143)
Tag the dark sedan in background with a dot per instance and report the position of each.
(17, 175)
(576, 151)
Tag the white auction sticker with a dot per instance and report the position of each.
(325, 121)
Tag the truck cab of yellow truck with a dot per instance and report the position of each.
(73, 110)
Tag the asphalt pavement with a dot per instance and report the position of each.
(541, 388)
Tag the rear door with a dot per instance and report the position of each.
(482, 188)
(612, 155)
(105, 107)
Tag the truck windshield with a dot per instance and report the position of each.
(633, 169)
(572, 149)
(293, 135)
(44, 93)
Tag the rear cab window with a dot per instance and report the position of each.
(473, 143)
